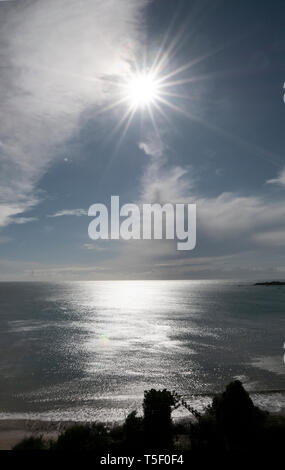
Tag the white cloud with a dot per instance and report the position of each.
(245, 222)
(64, 212)
(227, 216)
(8, 211)
(279, 180)
(230, 216)
(54, 56)
(161, 183)
(152, 146)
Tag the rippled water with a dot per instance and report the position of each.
(88, 350)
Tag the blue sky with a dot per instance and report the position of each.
(223, 148)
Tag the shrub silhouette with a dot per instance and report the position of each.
(90, 437)
(231, 424)
(31, 443)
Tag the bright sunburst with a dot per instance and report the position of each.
(142, 90)
(152, 88)
(147, 89)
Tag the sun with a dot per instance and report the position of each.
(148, 87)
(142, 90)
(154, 86)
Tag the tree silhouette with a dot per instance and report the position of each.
(235, 415)
(157, 406)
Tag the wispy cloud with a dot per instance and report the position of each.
(23, 220)
(161, 182)
(235, 226)
(74, 212)
(54, 57)
(152, 146)
(226, 216)
(279, 180)
(232, 216)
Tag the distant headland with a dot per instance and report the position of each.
(270, 283)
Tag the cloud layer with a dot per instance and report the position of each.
(54, 57)
(238, 228)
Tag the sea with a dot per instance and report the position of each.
(86, 351)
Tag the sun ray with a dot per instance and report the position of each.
(153, 120)
(189, 64)
(126, 127)
(176, 95)
(260, 152)
(120, 123)
(161, 111)
(164, 52)
(112, 106)
(150, 88)
(174, 107)
(198, 59)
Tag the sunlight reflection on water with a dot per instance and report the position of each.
(96, 346)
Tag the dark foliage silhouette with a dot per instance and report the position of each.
(157, 406)
(92, 437)
(231, 424)
(32, 443)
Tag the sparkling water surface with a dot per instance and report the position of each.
(88, 350)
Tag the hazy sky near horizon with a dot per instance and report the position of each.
(222, 147)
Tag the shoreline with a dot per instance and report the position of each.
(14, 430)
